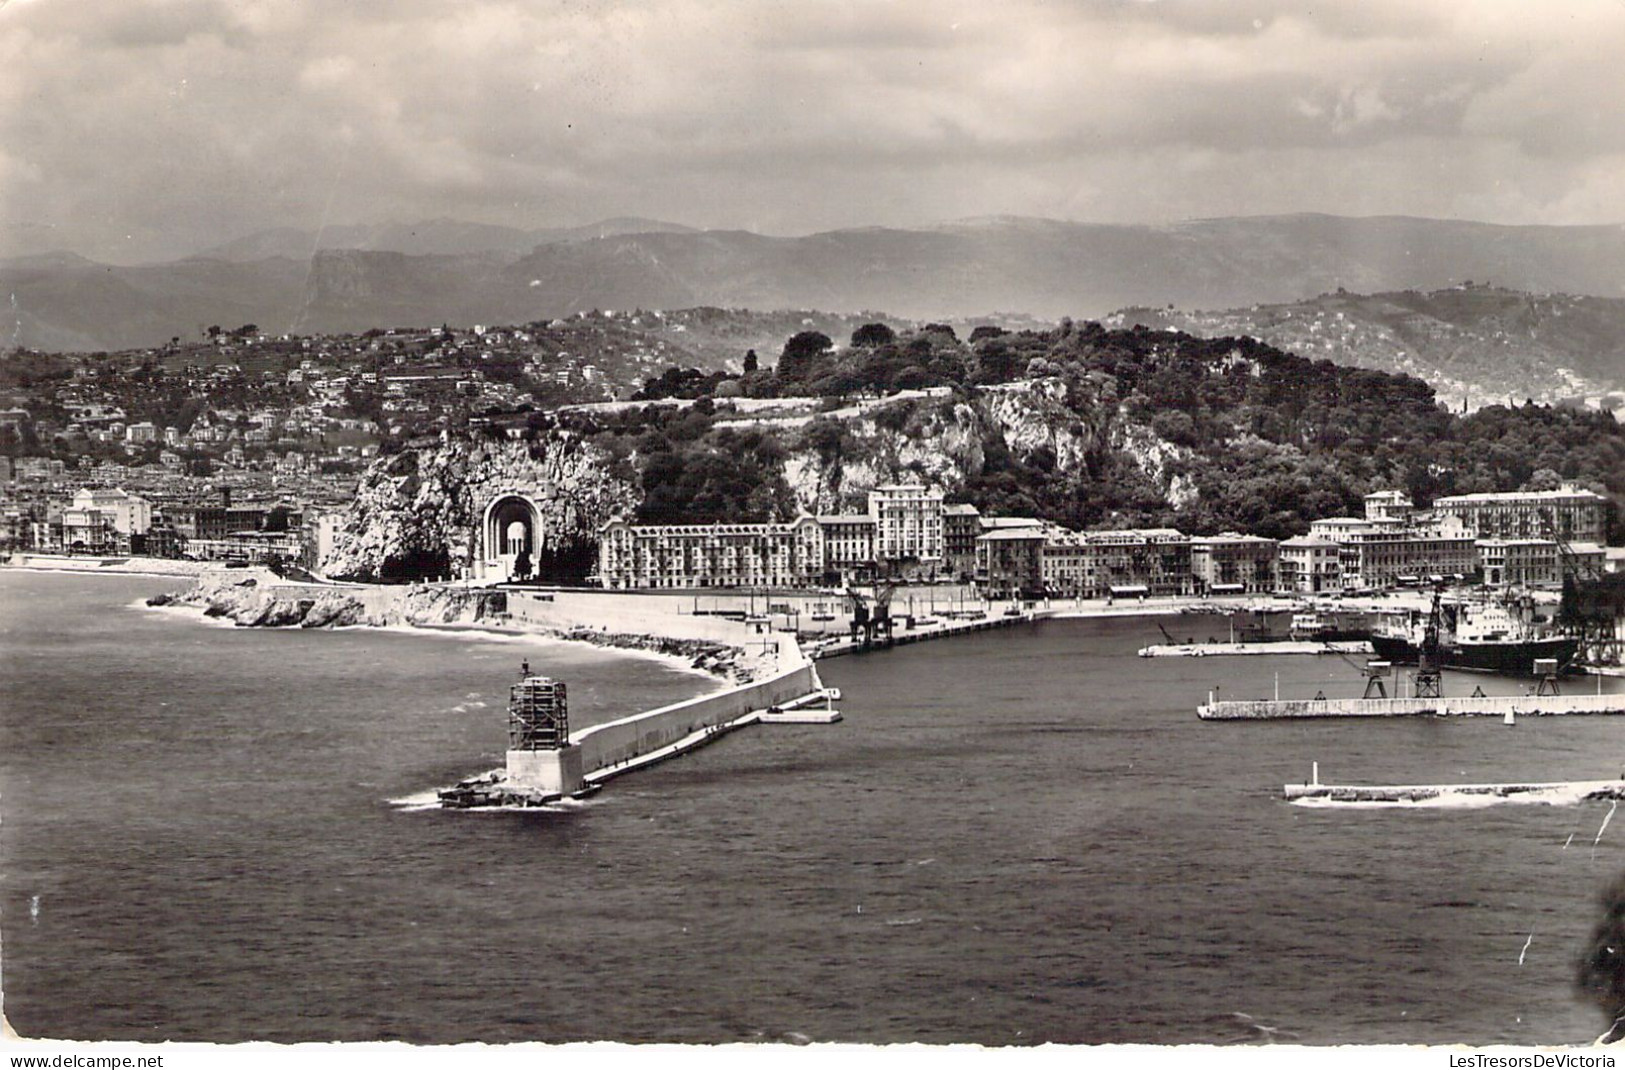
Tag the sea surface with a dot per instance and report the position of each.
(1016, 837)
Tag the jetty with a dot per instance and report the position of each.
(939, 630)
(1503, 706)
(548, 762)
(1285, 646)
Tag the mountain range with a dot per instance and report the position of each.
(353, 278)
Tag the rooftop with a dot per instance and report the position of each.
(1510, 497)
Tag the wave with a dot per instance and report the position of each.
(422, 800)
(179, 611)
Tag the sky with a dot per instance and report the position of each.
(138, 130)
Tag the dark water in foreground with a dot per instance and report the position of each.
(1016, 837)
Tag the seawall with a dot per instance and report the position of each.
(603, 750)
(109, 566)
(616, 742)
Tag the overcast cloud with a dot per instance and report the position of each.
(144, 130)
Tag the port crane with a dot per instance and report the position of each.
(1428, 676)
(1583, 613)
(871, 613)
(1427, 681)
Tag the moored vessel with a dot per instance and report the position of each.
(1477, 637)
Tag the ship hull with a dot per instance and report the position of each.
(1513, 659)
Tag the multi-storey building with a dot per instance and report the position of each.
(664, 556)
(1138, 562)
(1520, 562)
(1388, 558)
(961, 526)
(1309, 565)
(1068, 564)
(90, 531)
(1010, 561)
(1389, 505)
(129, 514)
(1233, 564)
(248, 546)
(1385, 550)
(849, 548)
(1571, 513)
(908, 525)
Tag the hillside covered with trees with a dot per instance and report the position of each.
(1115, 428)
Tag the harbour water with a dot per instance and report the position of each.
(1012, 838)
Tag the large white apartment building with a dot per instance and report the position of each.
(665, 556)
(908, 523)
(849, 547)
(1576, 513)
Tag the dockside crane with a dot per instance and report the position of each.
(1428, 677)
(1584, 590)
(871, 613)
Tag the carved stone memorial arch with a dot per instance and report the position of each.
(510, 535)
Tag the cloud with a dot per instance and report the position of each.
(151, 130)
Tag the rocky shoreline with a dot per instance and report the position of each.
(262, 601)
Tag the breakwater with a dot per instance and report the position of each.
(1287, 646)
(830, 648)
(603, 751)
(1455, 706)
(1556, 793)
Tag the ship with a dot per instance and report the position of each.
(1315, 624)
(1477, 637)
(1330, 626)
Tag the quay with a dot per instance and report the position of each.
(1502, 706)
(836, 647)
(1559, 792)
(1285, 646)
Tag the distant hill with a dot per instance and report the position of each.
(442, 237)
(1476, 344)
(1037, 267)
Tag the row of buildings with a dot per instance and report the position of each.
(1519, 539)
(109, 521)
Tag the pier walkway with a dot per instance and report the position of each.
(837, 647)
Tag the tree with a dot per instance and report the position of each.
(803, 353)
(277, 519)
(751, 363)
(873, 336)
(1543, 479)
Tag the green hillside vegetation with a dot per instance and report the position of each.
(1268, 440)
(1473, 340)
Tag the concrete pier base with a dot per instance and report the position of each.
(553, 772)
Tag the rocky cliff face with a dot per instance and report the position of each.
(416, 513)
(943, 443)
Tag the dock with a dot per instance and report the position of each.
(1502, 706)
(921, 634)
(1287, 646)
